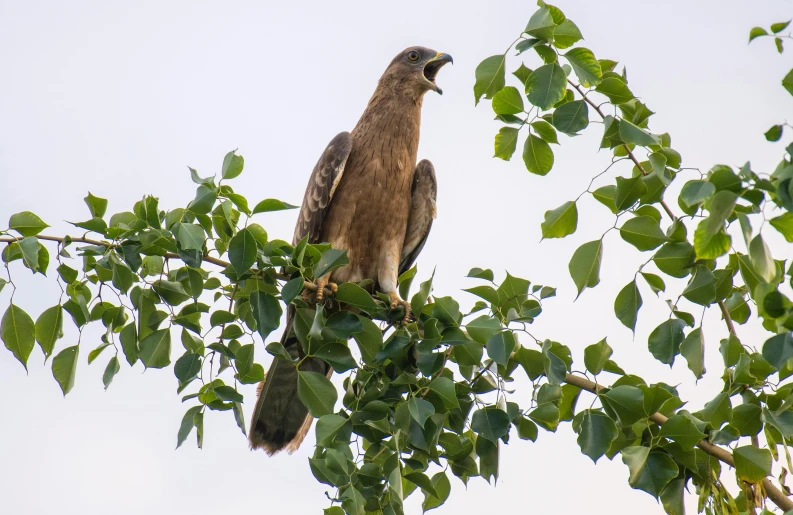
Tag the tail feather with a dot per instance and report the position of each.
(280, 420)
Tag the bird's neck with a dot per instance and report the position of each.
(393, 118)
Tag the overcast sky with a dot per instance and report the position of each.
(118, 97)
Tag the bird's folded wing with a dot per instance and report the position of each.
(422, 212)
(321, 187)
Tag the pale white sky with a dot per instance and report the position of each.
(118, 97)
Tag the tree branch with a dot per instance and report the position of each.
(627, 149)
(775, 494)
(725, 313)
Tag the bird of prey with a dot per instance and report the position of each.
(367, 196)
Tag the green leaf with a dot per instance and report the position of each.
(672, 497)
(330, 260)
(585, 66)
(271, 204)
(110, 372)
(627, 304)
(336, 355)
(566, 34)
(96, 352)
(693, 350)
(778, 350)
(369, 340)
(571, 117)
(615, 89)
(682, 430)
(316, 392)
(129, 343)
(546, 86)
(674, 259)
(155, 349)
(96, 205)
(205, 197)
(717, 411)
(500, 347)
(545, 130)
(69, 274)
(650, 472)
(595, 431)
(664, 342)
(441, 488)
(596, 356)
(506, 142)
(354, 295)
(490, 422)
(774, 133)
(266, 310)
(232, 165)
(187, 367)
(784, 224)
(655, 282)
(696, 192)
(701, 289)
(30, 251)
(756, 32)
(191, 237)
(752, 464)
(546, 416)
(49, 328)
(173, 293)
(508, 101)
(541, 25)
(64, 366)
(632, 134)
(483, 328)
(420, 410)
(353, 502)
(242, 251)
(123, 277)
(17, 331)
(760, 255)
(444, 387)
(327, 428)
(643, 232)
(188, 422)
(537, 155)
(489, 77)
(627, 402)
(628, 192)
(584, 266)
(561, 221)
(26, 223)
(776, 28)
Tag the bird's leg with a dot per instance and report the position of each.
(397, 301)
(322, 287)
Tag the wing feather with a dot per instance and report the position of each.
(320, 189)
(422, 213)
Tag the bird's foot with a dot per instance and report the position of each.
(321, 288)
(396, 301)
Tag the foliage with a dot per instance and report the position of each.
(432, 398)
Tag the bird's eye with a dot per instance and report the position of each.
(413, 55)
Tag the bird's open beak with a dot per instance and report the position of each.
(432, 67)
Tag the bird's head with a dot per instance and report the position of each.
(413, 71)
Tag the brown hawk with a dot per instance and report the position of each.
(367, 196)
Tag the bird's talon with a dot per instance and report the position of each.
(396, 302)
(321, 289)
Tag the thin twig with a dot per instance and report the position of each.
(627, 149)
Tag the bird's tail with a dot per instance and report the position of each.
(280, 420)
